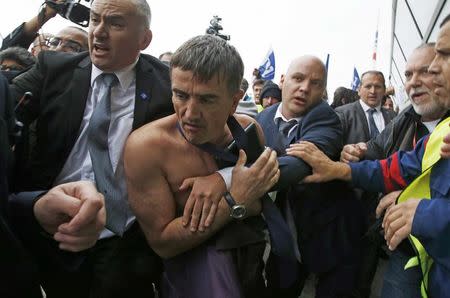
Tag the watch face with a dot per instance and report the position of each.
(238, 211)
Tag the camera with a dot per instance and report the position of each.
(216, 27)
(72, 10)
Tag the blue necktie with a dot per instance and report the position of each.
(285, 126)
(282, 241)
(372, 126)
(116, 214)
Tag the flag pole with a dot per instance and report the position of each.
(375, 46)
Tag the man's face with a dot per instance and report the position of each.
(117, 34)
(302, 86)
(268, 101)
(419, 83)
(40, 43)
(202, 108)
(372, 90)
(388, 104)
(9, 64)
(256, 92)
(68, 40)
(440, 67)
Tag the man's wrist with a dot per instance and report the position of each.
(344, 171)
(227, 175)
(237, 210)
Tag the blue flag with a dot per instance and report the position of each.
(267, 69)
(356, 81)
(328, 62)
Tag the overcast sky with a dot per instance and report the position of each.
(345, 29)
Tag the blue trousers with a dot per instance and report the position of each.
(398, 282)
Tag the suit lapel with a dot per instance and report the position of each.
(386, 116)
(361, 118)
(144, 94)
(80, 87)
(275, 139)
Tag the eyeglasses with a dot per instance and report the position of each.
(43, 43)
(69, 45)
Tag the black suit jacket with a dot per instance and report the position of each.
(325, 214)
(354, 122)
(60, 84)
(18, 274)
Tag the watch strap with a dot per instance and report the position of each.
(229, 198)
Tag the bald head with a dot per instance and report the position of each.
(309, 61)
(70, 39)
(302, 86)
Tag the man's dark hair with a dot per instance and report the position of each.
(208, 55)
(244, 85)
(446, 19)
(258, 82)
(18, 54)
(343, 96)
(376, 73)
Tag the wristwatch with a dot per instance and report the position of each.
(237, 211)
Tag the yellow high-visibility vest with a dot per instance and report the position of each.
(420, 188)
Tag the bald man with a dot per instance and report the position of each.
(321, 217)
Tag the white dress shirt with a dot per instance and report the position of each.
(377, 116)
(278, 115)
(431, 125)
(78, 165)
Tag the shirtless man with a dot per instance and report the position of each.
(206, 73)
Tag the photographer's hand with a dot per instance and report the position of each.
(32, 27)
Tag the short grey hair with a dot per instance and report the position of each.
(143, 10)
(208, 55)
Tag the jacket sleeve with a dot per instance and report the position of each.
(375, 146)
(18, 38)
(390, 174)
(30, 81)
(320, 126)
(431, 225)
(40, 244)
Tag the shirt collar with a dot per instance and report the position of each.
(125, 75)
(278, 115)
(366, 107)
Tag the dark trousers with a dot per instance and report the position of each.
(115, 267)
(371, 245)
(336, 283)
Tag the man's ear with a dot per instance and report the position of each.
(146, 39)
(236, 98)
(281, 81)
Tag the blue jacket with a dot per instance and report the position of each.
(431, 223)
(328, 226)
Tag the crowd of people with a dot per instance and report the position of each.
(126, 175)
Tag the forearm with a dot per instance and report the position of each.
(176, 238)
(367, 175)
(33, 25)
(431, 225)
(292, 171)
(431, 220)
